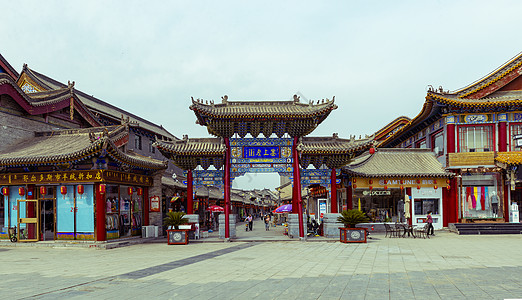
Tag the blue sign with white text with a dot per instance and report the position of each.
(261, 152)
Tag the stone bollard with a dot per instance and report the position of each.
(193, 218)
(293, 225)
(331, 225)
(232, 229)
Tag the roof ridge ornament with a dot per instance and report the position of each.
(296, 99)
(224, 99)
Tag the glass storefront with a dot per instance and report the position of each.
(480, 197)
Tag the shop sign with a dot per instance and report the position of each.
(376, 193)
(154, 203)
(75, 177)
(398, 182)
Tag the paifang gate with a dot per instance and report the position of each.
(285, 149)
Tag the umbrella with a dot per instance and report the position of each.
(283, 209)
(215, 208)
(407, 213)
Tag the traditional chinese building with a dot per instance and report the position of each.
(238, 149)
(76, 184)
(35, 108)
(473, 132)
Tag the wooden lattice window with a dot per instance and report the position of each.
(514, 129)
(476, 138)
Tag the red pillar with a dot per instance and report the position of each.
(502, 137)
(297, 189)
(349, 198)
(146, 206)
(100, 214)
(333, 196)
(450, 138)
(30, 209)
(227, 188)
(190, 193)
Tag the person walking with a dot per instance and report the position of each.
(267, 222)
(250, 221)
(429, 220)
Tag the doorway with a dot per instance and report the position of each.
(46, 200)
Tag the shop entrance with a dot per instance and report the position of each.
(47, 219)
(28, 221)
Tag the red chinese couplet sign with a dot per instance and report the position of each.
(155, 203)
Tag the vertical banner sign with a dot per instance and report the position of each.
(155, 203)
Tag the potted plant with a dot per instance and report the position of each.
(350, 234)
(173, 220)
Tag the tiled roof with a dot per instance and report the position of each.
(168, 180)
(509, 158)
(395, 162)
(261, 117)
(331, 151)
(510, 68)
(69, 146)
(96, 105)
(496, 99)
(189, 153)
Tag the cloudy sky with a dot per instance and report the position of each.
(376, 57)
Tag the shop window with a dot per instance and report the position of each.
(515, 129)
(476, 138)
(437, 143)
(480, 197)
(423, 206)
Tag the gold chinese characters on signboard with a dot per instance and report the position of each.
(75, 177)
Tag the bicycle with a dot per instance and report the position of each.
(12, 234)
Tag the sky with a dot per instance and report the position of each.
(150, 57)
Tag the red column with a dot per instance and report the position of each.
(349, 198)
(30, 209)
(297, 189)
(100, 214)
(502, 137)
(333, 196)
(227, 188)
(190, 193)
(146, 206)
(450, 138)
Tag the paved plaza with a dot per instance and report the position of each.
(447, 266)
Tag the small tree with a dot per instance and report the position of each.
(175, 218)
(351, 217)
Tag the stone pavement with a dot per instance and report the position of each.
(447, 266)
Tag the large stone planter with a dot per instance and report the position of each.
(331, 226)
(232, 228)
(293, 225)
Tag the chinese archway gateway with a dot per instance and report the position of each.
(233, 154)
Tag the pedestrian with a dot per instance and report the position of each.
(429, 220)
(267, 222)
(250, 221)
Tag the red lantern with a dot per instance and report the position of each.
(354, 186)
(5, 191)
(354, 180)
(448, 187)
(402, 187)
(21, 191)
(370, 187)
(418, 187)
(139, 191)
(372, 150)
(434, 181)
(63, 190)
(435, 187)
(129, 190)
(418, 181)
(43, 190)
(102, 189)
(385, 187)
(385, 181)
(80, 189)
(370, 181)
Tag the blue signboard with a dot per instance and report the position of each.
(261, 152)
